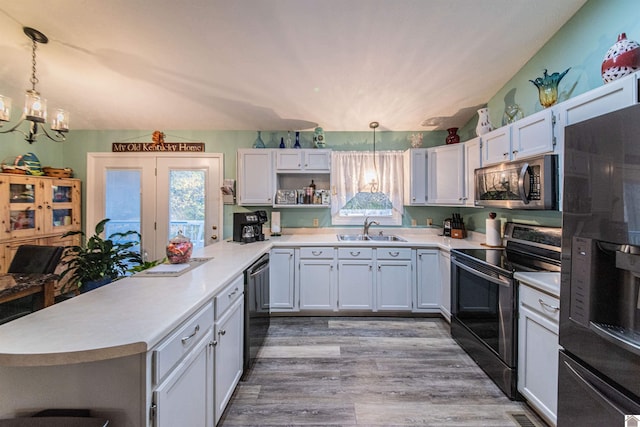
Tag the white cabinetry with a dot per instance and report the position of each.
(282, 289)
(317, 278)
(533, 135)
(538, 347)
(472, 161)
(255, 175)
(415, 177)
(496, 146)
(446, 175)
(298, 160)
(229, 333)
(355, 278)
(428, 292)
(394, 279)
(182, 374)
(444, 268)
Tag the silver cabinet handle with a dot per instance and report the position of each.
(354, 253)
(394, 254)
(222, 332)
(505, 154)
(316, 253)
(235, 291)
(187, 338)
(550, 307)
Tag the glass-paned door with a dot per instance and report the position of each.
(156, 195)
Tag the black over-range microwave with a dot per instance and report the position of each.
(523, 184)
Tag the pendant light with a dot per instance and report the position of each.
(35, 107)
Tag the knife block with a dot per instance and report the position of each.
(458, 233)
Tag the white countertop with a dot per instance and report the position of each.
(132, 315)
(543, 281)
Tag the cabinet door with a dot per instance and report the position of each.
(394, 284)
(185, 398)
(472, 161)
(255, 177)
(445, 283)
(23, 212)
(317, 160)
(229, 333)
(496, 146)
(428, 281)
(355, 284)
(317, 285)
(415, 177)
(289, 160)
(533, 135)
(282, 280)
(446, 172)
(62, 205)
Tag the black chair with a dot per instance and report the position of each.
(29, 259)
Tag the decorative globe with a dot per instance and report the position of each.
(179, 249)
(622, 58)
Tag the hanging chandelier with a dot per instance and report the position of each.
(35, 107)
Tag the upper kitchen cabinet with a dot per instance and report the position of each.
(446, 175)
(255, 175)
(527, 137)
(613, 96)
(415, 177)
(472, 161)
(496, 146)
(303, 161)
(533, 135)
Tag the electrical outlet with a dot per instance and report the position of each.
(315, 222)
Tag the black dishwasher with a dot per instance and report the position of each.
(256, 309)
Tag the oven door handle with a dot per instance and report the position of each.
(521, 184)
(505, 283)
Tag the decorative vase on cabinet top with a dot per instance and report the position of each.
(622, 58)
(259, 143)
(453, 137)
(484, 125)
(548, 87)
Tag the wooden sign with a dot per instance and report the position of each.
(152, 147)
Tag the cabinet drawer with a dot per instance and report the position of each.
(177, 345)
(316, 253)
(355, 253)
(539, 302)
(393, 253)
(228, 296)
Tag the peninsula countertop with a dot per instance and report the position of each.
(132, 315)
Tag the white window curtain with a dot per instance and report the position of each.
(354, 172)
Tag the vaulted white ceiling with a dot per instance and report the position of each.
(272, 64)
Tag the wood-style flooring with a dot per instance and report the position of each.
(368, 371)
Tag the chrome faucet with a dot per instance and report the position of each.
(368, 224)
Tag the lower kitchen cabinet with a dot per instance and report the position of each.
(182, 374)
(317, 279)
(282, 285)
(355, 278)
(228, 358)
(394, 279)
(538, 348)
(428, 291)
(186, 396)
(444, 268)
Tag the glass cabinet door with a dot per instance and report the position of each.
(62, 207)
(25, 206)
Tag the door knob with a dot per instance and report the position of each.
(214, 227)
(214, 237)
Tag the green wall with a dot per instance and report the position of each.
(580, 44)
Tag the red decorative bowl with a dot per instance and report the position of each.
(179, 249)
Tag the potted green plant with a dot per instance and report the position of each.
(100, 260)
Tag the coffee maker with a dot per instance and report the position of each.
(247, 226)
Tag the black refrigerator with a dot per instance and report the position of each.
(599, 371)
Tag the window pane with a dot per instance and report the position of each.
(187, 204)
(122, 201)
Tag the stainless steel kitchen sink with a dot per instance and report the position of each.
(361, 237)
(388, 238)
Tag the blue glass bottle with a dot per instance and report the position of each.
(297, 144)
(259, 143)
(282, 142)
